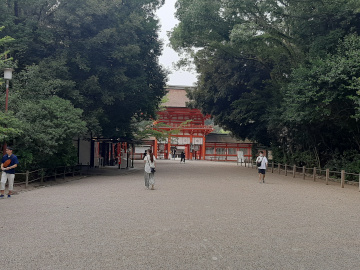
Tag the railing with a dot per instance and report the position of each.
(314, 173)
(44, 174)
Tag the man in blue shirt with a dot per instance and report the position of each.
(8, 164)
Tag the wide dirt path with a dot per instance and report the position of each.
(202, 215)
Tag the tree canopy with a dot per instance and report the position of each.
(282, 73)
(92, 61)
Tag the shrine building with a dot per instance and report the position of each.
(191, 135)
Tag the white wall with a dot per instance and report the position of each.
(141, 149)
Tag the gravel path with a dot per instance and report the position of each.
(202, 215)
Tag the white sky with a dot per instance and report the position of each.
(169, 56)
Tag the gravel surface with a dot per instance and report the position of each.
(201, 215)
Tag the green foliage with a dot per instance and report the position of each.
(82, 66)
(348, 160)
(101, 55)
(10, 127)
(321, 102)
(281, 73)
(49, 125)
(305, 158)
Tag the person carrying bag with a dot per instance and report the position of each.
(261, 163)
(149, 168)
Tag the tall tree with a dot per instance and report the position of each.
(255, 59)
(92, 62)
(107, 49)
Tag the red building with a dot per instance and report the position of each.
(194, 138)
(223, 147)
(189, 124)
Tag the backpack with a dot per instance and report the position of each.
(258, 163)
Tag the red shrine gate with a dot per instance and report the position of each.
(190, 137)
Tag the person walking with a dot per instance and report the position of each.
(8, 164)
(182, 155)
(262, 163)
(149, 168)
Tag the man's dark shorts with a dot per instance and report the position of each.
(262, 171)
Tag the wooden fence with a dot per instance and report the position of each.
(42, 175)
(314, 173)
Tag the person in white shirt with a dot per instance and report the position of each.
(263, 162)
(149, 168)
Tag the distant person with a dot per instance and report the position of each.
(261, 163)
(174, 153)
(8, 164)
(149, 168)
(182, 155)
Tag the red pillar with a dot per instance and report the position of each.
(168, 148)
(119, 153)
(203, 149)
(155, 148)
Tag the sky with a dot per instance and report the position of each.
(169, 56)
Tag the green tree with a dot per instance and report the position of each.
(322, 102)
(49, 126)
(107, 50)
(274, 72)
(10, 127)
(88, 65)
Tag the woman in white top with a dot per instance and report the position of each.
(149, 161)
